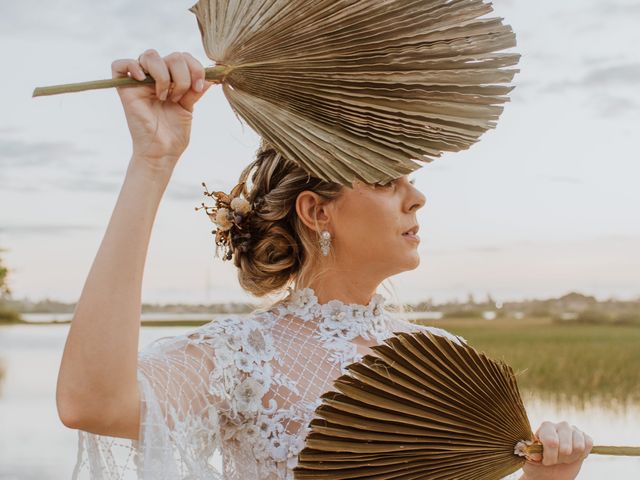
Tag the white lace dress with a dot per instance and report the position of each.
(245, 388)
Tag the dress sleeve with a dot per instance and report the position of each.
(179, 418)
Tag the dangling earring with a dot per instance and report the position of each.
(325, 242)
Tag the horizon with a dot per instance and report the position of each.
(477, 300)
(545, 201)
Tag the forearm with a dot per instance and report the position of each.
(99, 361)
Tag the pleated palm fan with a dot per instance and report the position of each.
(422, 407)
(355, 88)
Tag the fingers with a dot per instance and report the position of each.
(563, 443)
(197, 72)
(180, 75)
(198, 83)
(588, 445)
(125, 67)
(158, 69)
(548, 436)
(565, 447)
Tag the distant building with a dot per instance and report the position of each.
(575, 303)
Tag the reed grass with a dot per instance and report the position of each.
(578, 364)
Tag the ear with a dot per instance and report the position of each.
(313, 210)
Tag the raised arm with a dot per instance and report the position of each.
(97, 388)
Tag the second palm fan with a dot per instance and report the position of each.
(422, 407)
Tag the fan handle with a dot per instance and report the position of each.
(215, 74)
(597, 449)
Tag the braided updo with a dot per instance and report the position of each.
(281, 248)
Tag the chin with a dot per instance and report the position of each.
(406, 264)
(416, 263)
(415, 260)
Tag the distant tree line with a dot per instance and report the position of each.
(8, 314)
(570, 308)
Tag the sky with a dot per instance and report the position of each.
(546, 203)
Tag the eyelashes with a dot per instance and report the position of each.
(393, 182)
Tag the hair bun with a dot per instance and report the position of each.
(258, 227)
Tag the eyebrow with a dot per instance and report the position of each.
(413, 181)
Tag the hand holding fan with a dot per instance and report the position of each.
(355, 89)
(422, 407)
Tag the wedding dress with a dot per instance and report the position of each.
(245, 388)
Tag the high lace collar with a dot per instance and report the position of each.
(336, 318)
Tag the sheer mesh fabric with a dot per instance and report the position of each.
(179, 418)
(245, 388)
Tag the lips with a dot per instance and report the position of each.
(412, 231)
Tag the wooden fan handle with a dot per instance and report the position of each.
(213, 74)
(612, 450)
(597, 449)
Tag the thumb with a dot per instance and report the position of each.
(190, 98)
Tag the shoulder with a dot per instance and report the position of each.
(234, 329)
(406, 326)
(224, 333)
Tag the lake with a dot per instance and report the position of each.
(34, 444)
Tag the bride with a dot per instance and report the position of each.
(244, 389)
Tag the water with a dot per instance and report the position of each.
(34, 444)
(205, 317)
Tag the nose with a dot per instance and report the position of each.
(415, 198)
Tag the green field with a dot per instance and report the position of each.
(580, 364)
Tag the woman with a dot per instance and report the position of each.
(245, 387)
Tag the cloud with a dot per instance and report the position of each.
(89, 184)
(569, 13)
(562, 179)
(462, 250)
(26, 19)
(17, 153)
(75, 20)
(626, 74)
(610, 90)
(7, 186)
(593, 60)
(193, 192)
(598, 77)
(614, 106)
(486, 249)
(608, 240)
(624, 9)
(45, 229)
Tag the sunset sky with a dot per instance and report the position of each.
(547, 203)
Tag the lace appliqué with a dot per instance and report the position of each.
(243, 374)
(339, 323)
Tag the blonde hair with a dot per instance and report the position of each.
(282, 249)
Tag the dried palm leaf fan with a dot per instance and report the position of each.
(422, 407)
(355, 88)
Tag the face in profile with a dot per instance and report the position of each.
(369, 224)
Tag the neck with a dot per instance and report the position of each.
(346, 289)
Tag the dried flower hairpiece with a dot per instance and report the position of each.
(229, 214)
